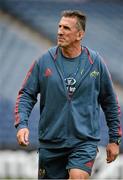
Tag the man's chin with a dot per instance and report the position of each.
(61, 45)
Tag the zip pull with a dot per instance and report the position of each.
(69, 96)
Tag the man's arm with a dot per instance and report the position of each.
(26, 99)
(111, 109)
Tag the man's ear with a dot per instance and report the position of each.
(80, 36)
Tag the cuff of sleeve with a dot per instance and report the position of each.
(115, 140)
(21, 126)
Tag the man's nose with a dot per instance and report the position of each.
(60, 31)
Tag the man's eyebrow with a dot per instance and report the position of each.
(65, 26)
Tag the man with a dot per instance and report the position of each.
(73, 82)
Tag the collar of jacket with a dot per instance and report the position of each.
(54, 53)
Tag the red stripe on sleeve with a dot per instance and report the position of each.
(119, 112)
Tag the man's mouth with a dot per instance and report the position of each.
(60, 38)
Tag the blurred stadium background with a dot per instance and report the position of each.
(27, 29)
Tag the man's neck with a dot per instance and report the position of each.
(71, 52)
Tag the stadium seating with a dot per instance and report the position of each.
(104, 25)
(16, 56)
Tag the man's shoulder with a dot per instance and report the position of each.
(50, 53)
(92, 53)
(95, 55)
(53, 49)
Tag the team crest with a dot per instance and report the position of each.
(94, 74)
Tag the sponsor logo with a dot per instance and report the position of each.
(70, 84)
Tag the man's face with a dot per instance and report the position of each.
(68, 34)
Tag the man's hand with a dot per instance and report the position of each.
(23, 136)
(112, 150)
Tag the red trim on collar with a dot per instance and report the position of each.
(89, 57)
(56, 54)
(87, 51)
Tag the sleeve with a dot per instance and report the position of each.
(27, 96)
(109, 104)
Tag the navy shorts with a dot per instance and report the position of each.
(55, 163)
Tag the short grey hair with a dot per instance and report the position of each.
(81, 18)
